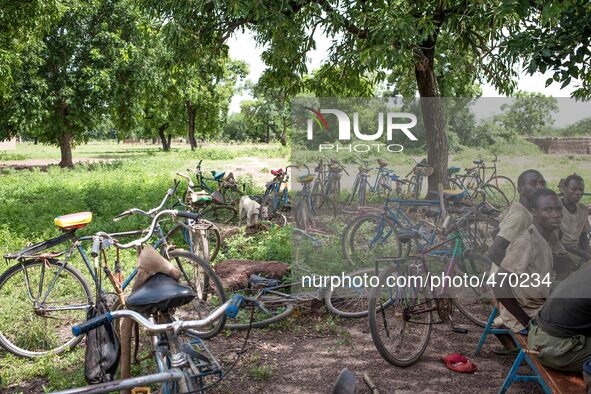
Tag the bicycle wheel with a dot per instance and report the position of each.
(493, 196)
(203, 239)
(479, 232)
(206, 240)
(333, 189)
(350, 301)
(351, 196)
(474, 302)
(388, 188)
(361, 201)
(199, 276)
(220, 214)
(399, 320)
(414, 188)
(314, 211)
(506, 185)
(39, 304)
(279, 308)
(231, 195)
(372, 237)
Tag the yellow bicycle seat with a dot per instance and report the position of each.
(305, 178)
(73, 220)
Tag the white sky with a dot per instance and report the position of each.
(243, 47)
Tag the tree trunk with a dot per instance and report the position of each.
(65, 142)
(191, 116)
(36, 140)
(165, 145)
(283, 136)
(169, 140)
(268, 134)
(432, 108)
(64, 139)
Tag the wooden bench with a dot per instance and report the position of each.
(551, 380)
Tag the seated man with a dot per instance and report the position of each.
(517, 218)
(575, 222)
(561, 331)
(529, 254)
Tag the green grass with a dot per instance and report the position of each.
(139, 176)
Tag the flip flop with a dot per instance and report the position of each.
(458, 363)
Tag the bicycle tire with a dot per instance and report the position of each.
(207, 287)
(506, 185)
(384, 188)
(474, 303)
(314, 210)
(10, 303)
(479, 231)
(386, 314)
(284, 312)
(351, 197)
(213, 237)
(361, 200)
(220, 214)
(338, 300)
(413, 187)
(231, 195)
(494, 197)
(361, 250)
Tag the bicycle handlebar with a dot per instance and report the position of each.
(151, 228)
(230, 308)
(169, 193)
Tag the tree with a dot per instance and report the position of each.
(550, 36)
(22, 25)
(67, 84)
(415, 38)
(529, 113)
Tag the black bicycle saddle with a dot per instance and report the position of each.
(159, 294)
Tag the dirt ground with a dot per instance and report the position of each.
(307, 354)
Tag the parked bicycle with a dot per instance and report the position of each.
(226, 185)
(206, 204)
(44, 293)
(401, 316)
(344, 301)
(479, 188)
(384, 184)
(374, 235)
(313, 211)
(183, 366)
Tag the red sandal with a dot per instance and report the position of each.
(458, 363)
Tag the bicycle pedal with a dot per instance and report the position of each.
(459, 330)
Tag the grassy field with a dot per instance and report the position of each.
(138, 176)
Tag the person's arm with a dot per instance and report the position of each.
(497, 250)
(584, 241)
(504, 294)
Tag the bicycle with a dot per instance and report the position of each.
(331, 186)
(206, 204)
(276, 196)
(226, 185)
(49, 293)
(382, 184)
(375, 234)
(401, 317)
(419, 172)
(474, 184)
(312, 209)
(183, 367)
(347, 301)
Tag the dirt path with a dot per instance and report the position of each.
(44, 163)
(306, 356)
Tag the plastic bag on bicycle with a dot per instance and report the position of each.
(102, 350)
